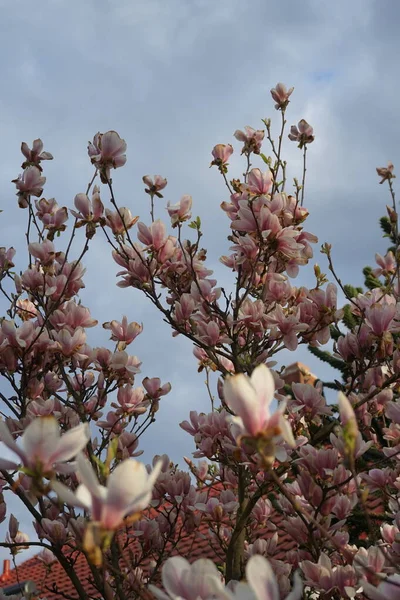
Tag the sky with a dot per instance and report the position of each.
(175, 77)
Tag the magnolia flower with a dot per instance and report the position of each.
(221, 154)
(183, 581)
(251, 138)
(106, 152)
(202, 581)
(180, 212)
(387, 590)
(30, 183)
(36, 155)
(349, 423)
(281, 95)
(42, 448)
(154, 187)
(121, 220)
(6, 258)
(250, 398)
(303, 133)
(262, 581)
(258, 182)
(20, 540)
(386, 172)
(124, 333)
(129, 489)
(88, 210)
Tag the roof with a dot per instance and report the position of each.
(298, 373)
(194, 546)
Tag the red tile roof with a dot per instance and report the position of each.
(49, 579)
(193, 546)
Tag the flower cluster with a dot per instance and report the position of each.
(293, 496)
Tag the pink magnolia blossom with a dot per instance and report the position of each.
(386, 172)
(107, 152)
(30, 183)
(221, 154)
(389, 589)
(154, 388)
(258, 182)
(68, 343)
(154, 187)
(250, 399)
(43, 251)
(183, 581)
(113, 423)
(46, 557)
(202, 581)
(20, 540)
(51, 214)
(386, 265)
(131, 400)
(180, 212)
(42, 448)
(252, 139)
(348, 418)
(303, 133)
(124, 333)
(154, 236)
(326, 577)
(35, 155)
(55, 531)
(288, 325)
(120, 221)
(72, 316)
(129, 490)
(262, 582)
(380, 317)
(88, 210)
(308, 400)
(281, 95)
(6, 258)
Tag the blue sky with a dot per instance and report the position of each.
(175, 77)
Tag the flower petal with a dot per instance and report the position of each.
(261, 578)
(72, 442)
(40, 439)
(241, 397)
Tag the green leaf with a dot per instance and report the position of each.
(386, 225)
(327, 357)
(348, 318)
(265, 159)
(335, 332)
(371, 281)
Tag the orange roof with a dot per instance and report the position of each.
(194, 546)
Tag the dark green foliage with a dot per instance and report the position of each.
(348, 318)
(335, 332)
(327, 357)
(357, 525)
(386, 227)
(371, 281)
(333, 385)
(351, 291)
(287, 388)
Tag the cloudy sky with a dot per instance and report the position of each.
(175, 77)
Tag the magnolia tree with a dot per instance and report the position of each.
(326, 476)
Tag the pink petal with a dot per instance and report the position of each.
(72, 442)
(262, 579)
